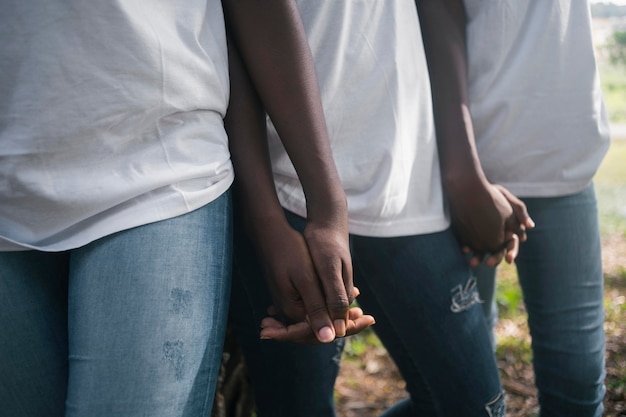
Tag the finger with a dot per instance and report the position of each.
(300, 332)
(340, 297)
(508, 253)
(268, 322)
(476, 258)
(357, 321)
(358, 325)
(354, 313)
(347, 279)
(337, 299)
(512, 248)
(519, 208)
(355, 294)
(316, 311)
(495, 258)
(511, 224)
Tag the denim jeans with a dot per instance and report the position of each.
(560, 272)
(129, 325)
(420, 291)
(289, 379)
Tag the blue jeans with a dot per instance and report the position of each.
(289, 379)
(560, 272)
(129, 325)
(420, 291)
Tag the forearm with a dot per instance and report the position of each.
(443, 30)
(245, 123)
(273, 45)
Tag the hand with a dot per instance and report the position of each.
(292, 279)
(330, 253)
(301, 332)
(515, 228)
(490, 222)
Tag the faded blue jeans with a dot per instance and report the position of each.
(129, 325)
(560, 272)
(420, 291)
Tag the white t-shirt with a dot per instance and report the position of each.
(110, 117)
(376, 95)
(540, 123)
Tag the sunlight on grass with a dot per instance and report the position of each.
(357, 344)
(610, 182)
(514, 348)
(614, 90)
(612, 171)
(508, 293)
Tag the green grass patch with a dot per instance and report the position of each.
(612, 171)
(614, 90)
(357, 344)
(514, 347)
(610, 184)
(508, 292)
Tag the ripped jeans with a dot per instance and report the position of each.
(129, 325)
(560, 272)
(420, 291)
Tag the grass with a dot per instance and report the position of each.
(611, 190)
(614, 89)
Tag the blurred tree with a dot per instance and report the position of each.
(616, 46)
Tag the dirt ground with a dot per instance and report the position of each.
(369, 384)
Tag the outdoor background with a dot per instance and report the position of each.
(369, 382)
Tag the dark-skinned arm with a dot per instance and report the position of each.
(271, 41)
(486, 218)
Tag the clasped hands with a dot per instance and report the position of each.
(310, 280)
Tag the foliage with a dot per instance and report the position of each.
(616, 46)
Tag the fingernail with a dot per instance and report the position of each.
(326, 335)
(531, 222)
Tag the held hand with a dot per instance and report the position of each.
(521, 221)
(330, 253)
(490, 222)
(292, 280)
(515, 229)
(301, 332)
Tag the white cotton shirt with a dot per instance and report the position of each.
(539, 118)
(110, 117)
(376, 94)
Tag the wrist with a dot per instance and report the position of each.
(465, 188)
(329, 208)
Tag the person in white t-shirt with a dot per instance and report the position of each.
(541, 131)
(408, 265)
(115, 213)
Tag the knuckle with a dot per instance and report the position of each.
(339, 305)
(316, 309)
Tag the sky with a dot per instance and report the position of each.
(621, 2)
